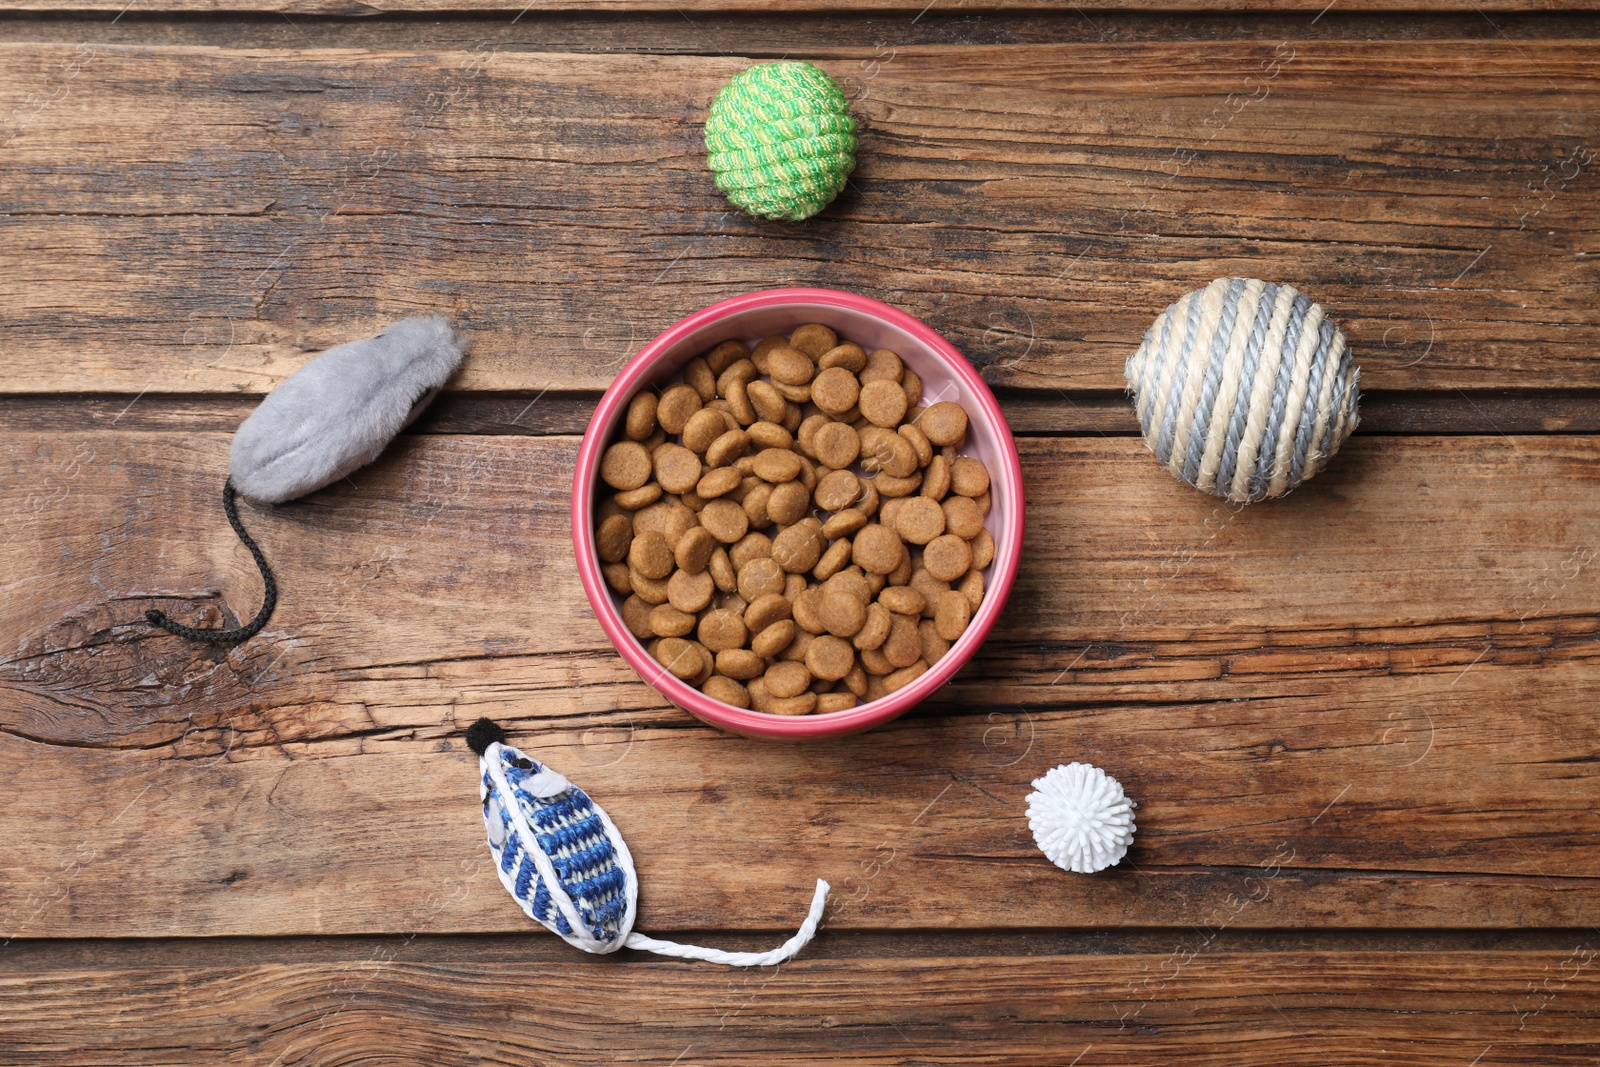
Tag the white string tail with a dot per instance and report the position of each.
(785, 951)
(1081, 818)
(561, 857)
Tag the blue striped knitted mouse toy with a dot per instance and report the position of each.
(560, 855)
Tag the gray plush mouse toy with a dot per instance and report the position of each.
(331, 417)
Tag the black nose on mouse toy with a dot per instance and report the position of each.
(332, 416)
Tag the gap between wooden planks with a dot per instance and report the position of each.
(1310, 702)
(1216, 1008)
(217, 215)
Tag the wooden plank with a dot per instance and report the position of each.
(218, 215)
(1256, 1009)
(1308, 689)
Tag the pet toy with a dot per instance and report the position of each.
(780, 140)
(562, 858)
(1081, 818)
(1244, 389)
(331, 417)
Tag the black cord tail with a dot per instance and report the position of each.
(269, 599)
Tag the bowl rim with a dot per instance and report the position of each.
(750, 723)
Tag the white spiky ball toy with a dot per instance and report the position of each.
(1081, 818)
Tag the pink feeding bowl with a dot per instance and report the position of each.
(946, 375)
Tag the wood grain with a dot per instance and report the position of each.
(1272, 1009)
(217, 215)
(1309, 689)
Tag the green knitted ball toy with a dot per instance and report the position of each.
(781, 141)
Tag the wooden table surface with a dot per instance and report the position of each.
(1360, 722)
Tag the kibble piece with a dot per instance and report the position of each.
(634, 499)
(832, 561)
(740, 370)
(807, 608)
(773, 640)
(616, 576)
(759, 699)
(789, 502)
(930, 587)
(856, 681)
(813, 339)
(640, 422)
(846, 356)
(905, 676)
(868, 504)
(883, 403)
(794, 585)
(945, 423)
(613, 538)
(650, 555)
(765, 435)
(721, 569)
(625, 465)
(933, 645)
(760, 577)
(982, 550)
(828, 703)
(744, 412)
(790, 366)
(837, 490)
(830, 658)
(877, 549)
(650, 590)
(777, 465)
(968, 477)
(902, 573)
(919, 443)
(843, 523)
(740, 663)
(952, 614)
(697, 375)
(690, 592)
(768, 403)
(787, 679)
(875, 629)
(719, 481)
(703, 428)
(971, 587)
(836, 445)
(798, 548)
(919, 520)
(726, 690)
(882, 365)
(636, 617)
(851, 581)
(679, 656)
(962, 517)
(804, 704)
(766, 610)
(727, 448)
(886, 451)
(726, 355)
(764, 348)
(911, 382)
(677, 468)
(936, 479)
(903, 646)
(753, 545)
(756, 499)
(668, 621)
(842, 615)
(874, 663)
(835, 390)
(677, 403)
(947, 557)
(796, 649)
(902, 600)
(725, 519)
(721, 629)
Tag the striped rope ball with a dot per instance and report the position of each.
(780, 140)
(1244, 389)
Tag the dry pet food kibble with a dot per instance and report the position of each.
(789, 530)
